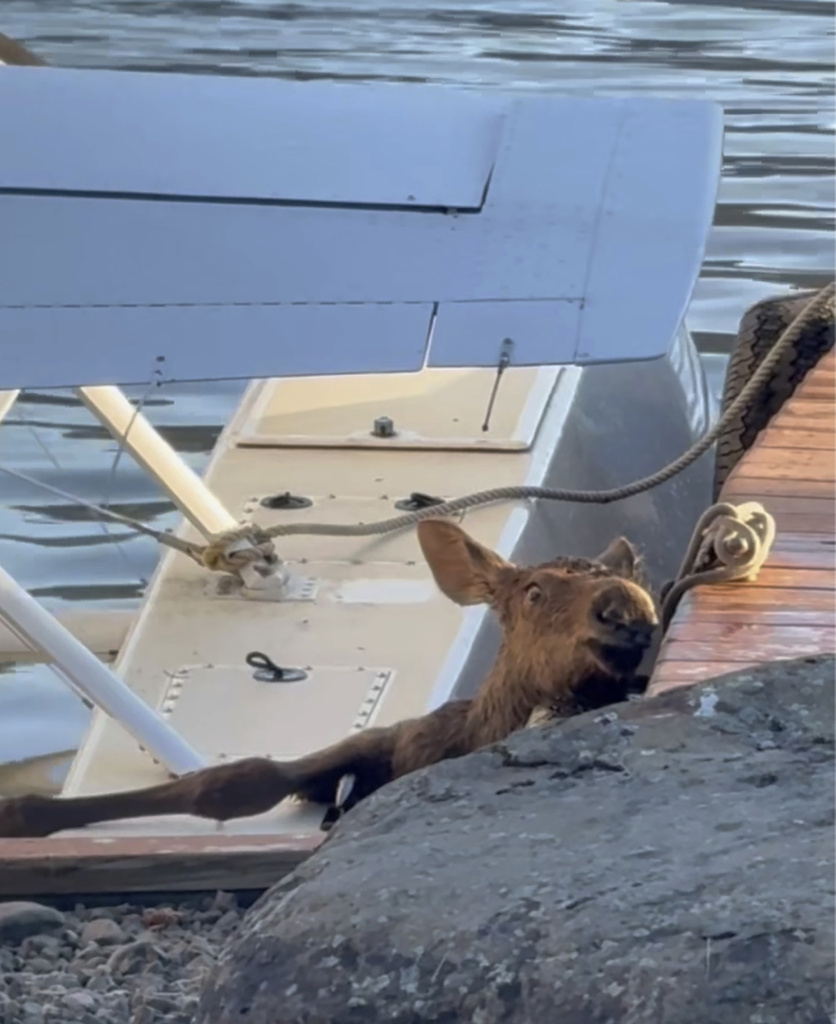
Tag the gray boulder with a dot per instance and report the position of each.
(668, 861)
(20, 919)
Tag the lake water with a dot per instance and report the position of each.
(768, 62)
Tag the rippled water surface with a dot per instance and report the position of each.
(768, 62)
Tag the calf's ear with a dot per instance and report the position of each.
(466, 571)
(621, 558)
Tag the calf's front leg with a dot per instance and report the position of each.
(237, 790)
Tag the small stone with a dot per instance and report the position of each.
(127, 959)
(100, 981)
(80, 1001)
(165, 1001)
(110, 912)
(160, 917)
(188, 1008)
(91, 957)
(47, 945)
(19, 919)
(99, 967)
(228, 921)
(143, 1015)
(32, 1013)
(225, 901)
(61, 979)
(103, 931)
(199, 965)
(119, 1002)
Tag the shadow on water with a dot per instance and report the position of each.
(768, 62)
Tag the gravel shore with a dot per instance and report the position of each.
(125, 964)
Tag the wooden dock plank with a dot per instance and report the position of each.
(776, 612)
(817, 542)
(783, 464)
(794, 504)
(789, 611)
(803, 558)
(794, 579)
(747, 632)
(684, 673)
(138, 864)
(818, 421)
(790, 437)
(763, 597)
(777, 643)
(819, 394)
(753, 488)
(789, 522)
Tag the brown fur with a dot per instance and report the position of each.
(12, 53)
(574, 633)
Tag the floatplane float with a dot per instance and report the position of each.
(432, 292)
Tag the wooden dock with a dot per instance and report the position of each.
(790, 610)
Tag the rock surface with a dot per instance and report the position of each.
(19, 919)
(666, 861)
(103, 931)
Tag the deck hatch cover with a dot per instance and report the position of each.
(225, 713)
(245, 139)
(441, 410)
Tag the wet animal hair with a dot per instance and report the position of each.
(574, 632)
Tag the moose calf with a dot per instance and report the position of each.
(574, 633)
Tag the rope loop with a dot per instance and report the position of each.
(235, 549)
(729, 542)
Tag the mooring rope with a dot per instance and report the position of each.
(171, 540)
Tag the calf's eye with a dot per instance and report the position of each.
(533, 593)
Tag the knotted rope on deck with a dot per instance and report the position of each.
(729, 542)
(233, 550)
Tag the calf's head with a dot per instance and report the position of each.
(584, 614)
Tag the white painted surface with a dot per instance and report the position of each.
(584, 246)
